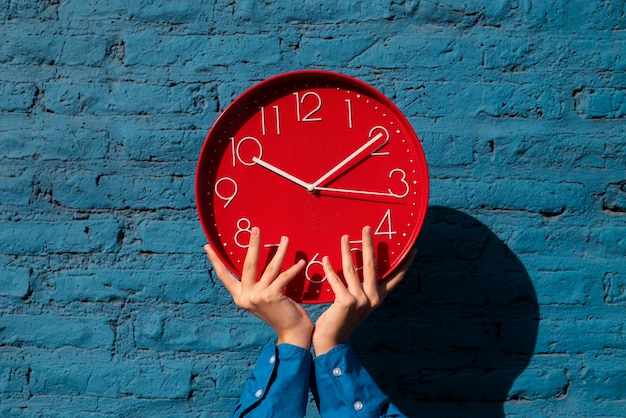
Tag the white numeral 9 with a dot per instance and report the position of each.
(226, 197)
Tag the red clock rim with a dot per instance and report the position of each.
(319, 74)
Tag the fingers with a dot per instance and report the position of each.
(273, 268)
(251, 262)
(228, 280)
(288, 275)
(333, 279)
(370, 271)
(347, 264)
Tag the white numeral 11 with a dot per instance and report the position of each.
(263, 123)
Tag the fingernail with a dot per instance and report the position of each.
(368, 230)
(283, 239)
(326, 260)
(254, 231)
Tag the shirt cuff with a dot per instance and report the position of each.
(343, 388)
(278, 386)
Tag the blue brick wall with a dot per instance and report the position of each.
(515, 305)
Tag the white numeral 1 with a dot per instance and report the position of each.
(349, 103)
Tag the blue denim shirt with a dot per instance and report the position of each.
(279, 385)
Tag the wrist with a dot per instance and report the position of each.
(300, 337)
(324, 345)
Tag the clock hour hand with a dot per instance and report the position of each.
(283, 174)
(351, 160)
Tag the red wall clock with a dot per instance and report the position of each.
(312, 155)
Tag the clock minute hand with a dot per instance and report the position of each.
(283, 174)
(352, 159)
(355, 192)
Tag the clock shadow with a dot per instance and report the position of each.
(456, 333)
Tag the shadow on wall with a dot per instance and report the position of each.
(456, 333)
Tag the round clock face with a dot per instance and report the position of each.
(312, 155)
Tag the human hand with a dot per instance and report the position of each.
(354, 302)
(265, 298)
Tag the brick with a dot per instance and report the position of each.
(432, 51)
(84, 50)
(91, 10)
(15, 282)
(606, 103)
(61, 143)
(27, 48)
(163, 145)
(125, 98)
(306, 11)
(498, 100)
(461, 13)
(332, 51)
(87, 189)
(562, 287)
(612, 241)
(571, 334)
(17, 190)
(614, 287)
(157, 332)
(31, 9)
(134, 285)
(170, 237)
(165, 11)
(521, 53)
(84, 375)
(18, 97)
(148, 49)
(445, 150)
(511, 194)
(542, 380)
(602, 54)
(602, 377)
(615, 197)
(30, 237)
(55, 331)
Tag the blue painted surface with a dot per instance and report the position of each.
(515, 306)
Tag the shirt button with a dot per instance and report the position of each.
(258, 393)
(358, 405)
(272, 359)
(336, 372)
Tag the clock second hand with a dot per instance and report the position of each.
(309, 187)
(361, 152)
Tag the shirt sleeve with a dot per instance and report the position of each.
(343, 388)
(279, 384)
